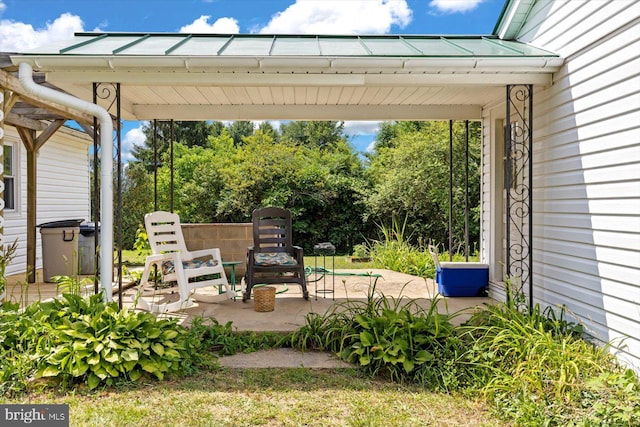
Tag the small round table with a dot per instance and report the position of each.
(325, 249)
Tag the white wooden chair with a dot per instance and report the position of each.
(176, 264)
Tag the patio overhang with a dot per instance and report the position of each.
(258, 77)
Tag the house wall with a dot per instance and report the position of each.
(62, 188)
(492, 222)
(586, 164)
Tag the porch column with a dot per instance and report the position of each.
(519, 188)
(109, 94)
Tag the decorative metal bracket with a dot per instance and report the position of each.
(519, 187)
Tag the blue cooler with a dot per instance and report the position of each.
(462, 279)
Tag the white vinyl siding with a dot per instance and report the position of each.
(587, 167)
(62, 188)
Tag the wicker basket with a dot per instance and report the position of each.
(264, 299)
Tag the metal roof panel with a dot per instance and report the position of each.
(263, 45)
(385, 46)
(198, 46)
(248, 46)
(153, 45)
(338, 46)
(104, 45)
(296, 46)
(435, 47)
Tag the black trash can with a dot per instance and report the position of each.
(87, 247)
(60, 248)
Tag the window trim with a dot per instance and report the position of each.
(14, 176)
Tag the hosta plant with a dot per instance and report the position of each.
(96, 342)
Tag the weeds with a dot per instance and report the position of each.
(7, 254)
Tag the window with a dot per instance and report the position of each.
(9, 178)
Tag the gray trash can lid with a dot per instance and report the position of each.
(61, 224)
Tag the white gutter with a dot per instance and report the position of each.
(106, 164)
(179, 66)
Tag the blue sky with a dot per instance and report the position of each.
(26, 24)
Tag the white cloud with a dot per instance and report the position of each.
(133, 137)
(340, 17)
(454, 6)
(221, 25)
(354, 127)
(2, 6)
(18, 36)
(371, 146)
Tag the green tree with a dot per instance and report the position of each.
(322, 188)
(199, 179)
(239, 130)
(187, 133)
(268, 129)
(137, 200)
(313, 133)
(411, 174)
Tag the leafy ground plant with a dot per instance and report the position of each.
(85, 340)
(224, 340)
(389, 337)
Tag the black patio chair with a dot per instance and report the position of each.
(273, 259)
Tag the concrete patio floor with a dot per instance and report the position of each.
(291, 309)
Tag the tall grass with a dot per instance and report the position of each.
(537, 368)
(394, 252)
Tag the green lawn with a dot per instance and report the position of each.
(270, 397)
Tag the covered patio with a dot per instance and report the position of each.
(259, 77)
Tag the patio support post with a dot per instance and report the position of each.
(110, 93)
(28, 137)
(466, 190)
(155, 164)
(519, 187)
(171, 168)
(450, 190)
(96, 192)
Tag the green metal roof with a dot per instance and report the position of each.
(194, 45)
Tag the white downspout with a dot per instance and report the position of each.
(106, 162)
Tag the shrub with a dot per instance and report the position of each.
(20, 335)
